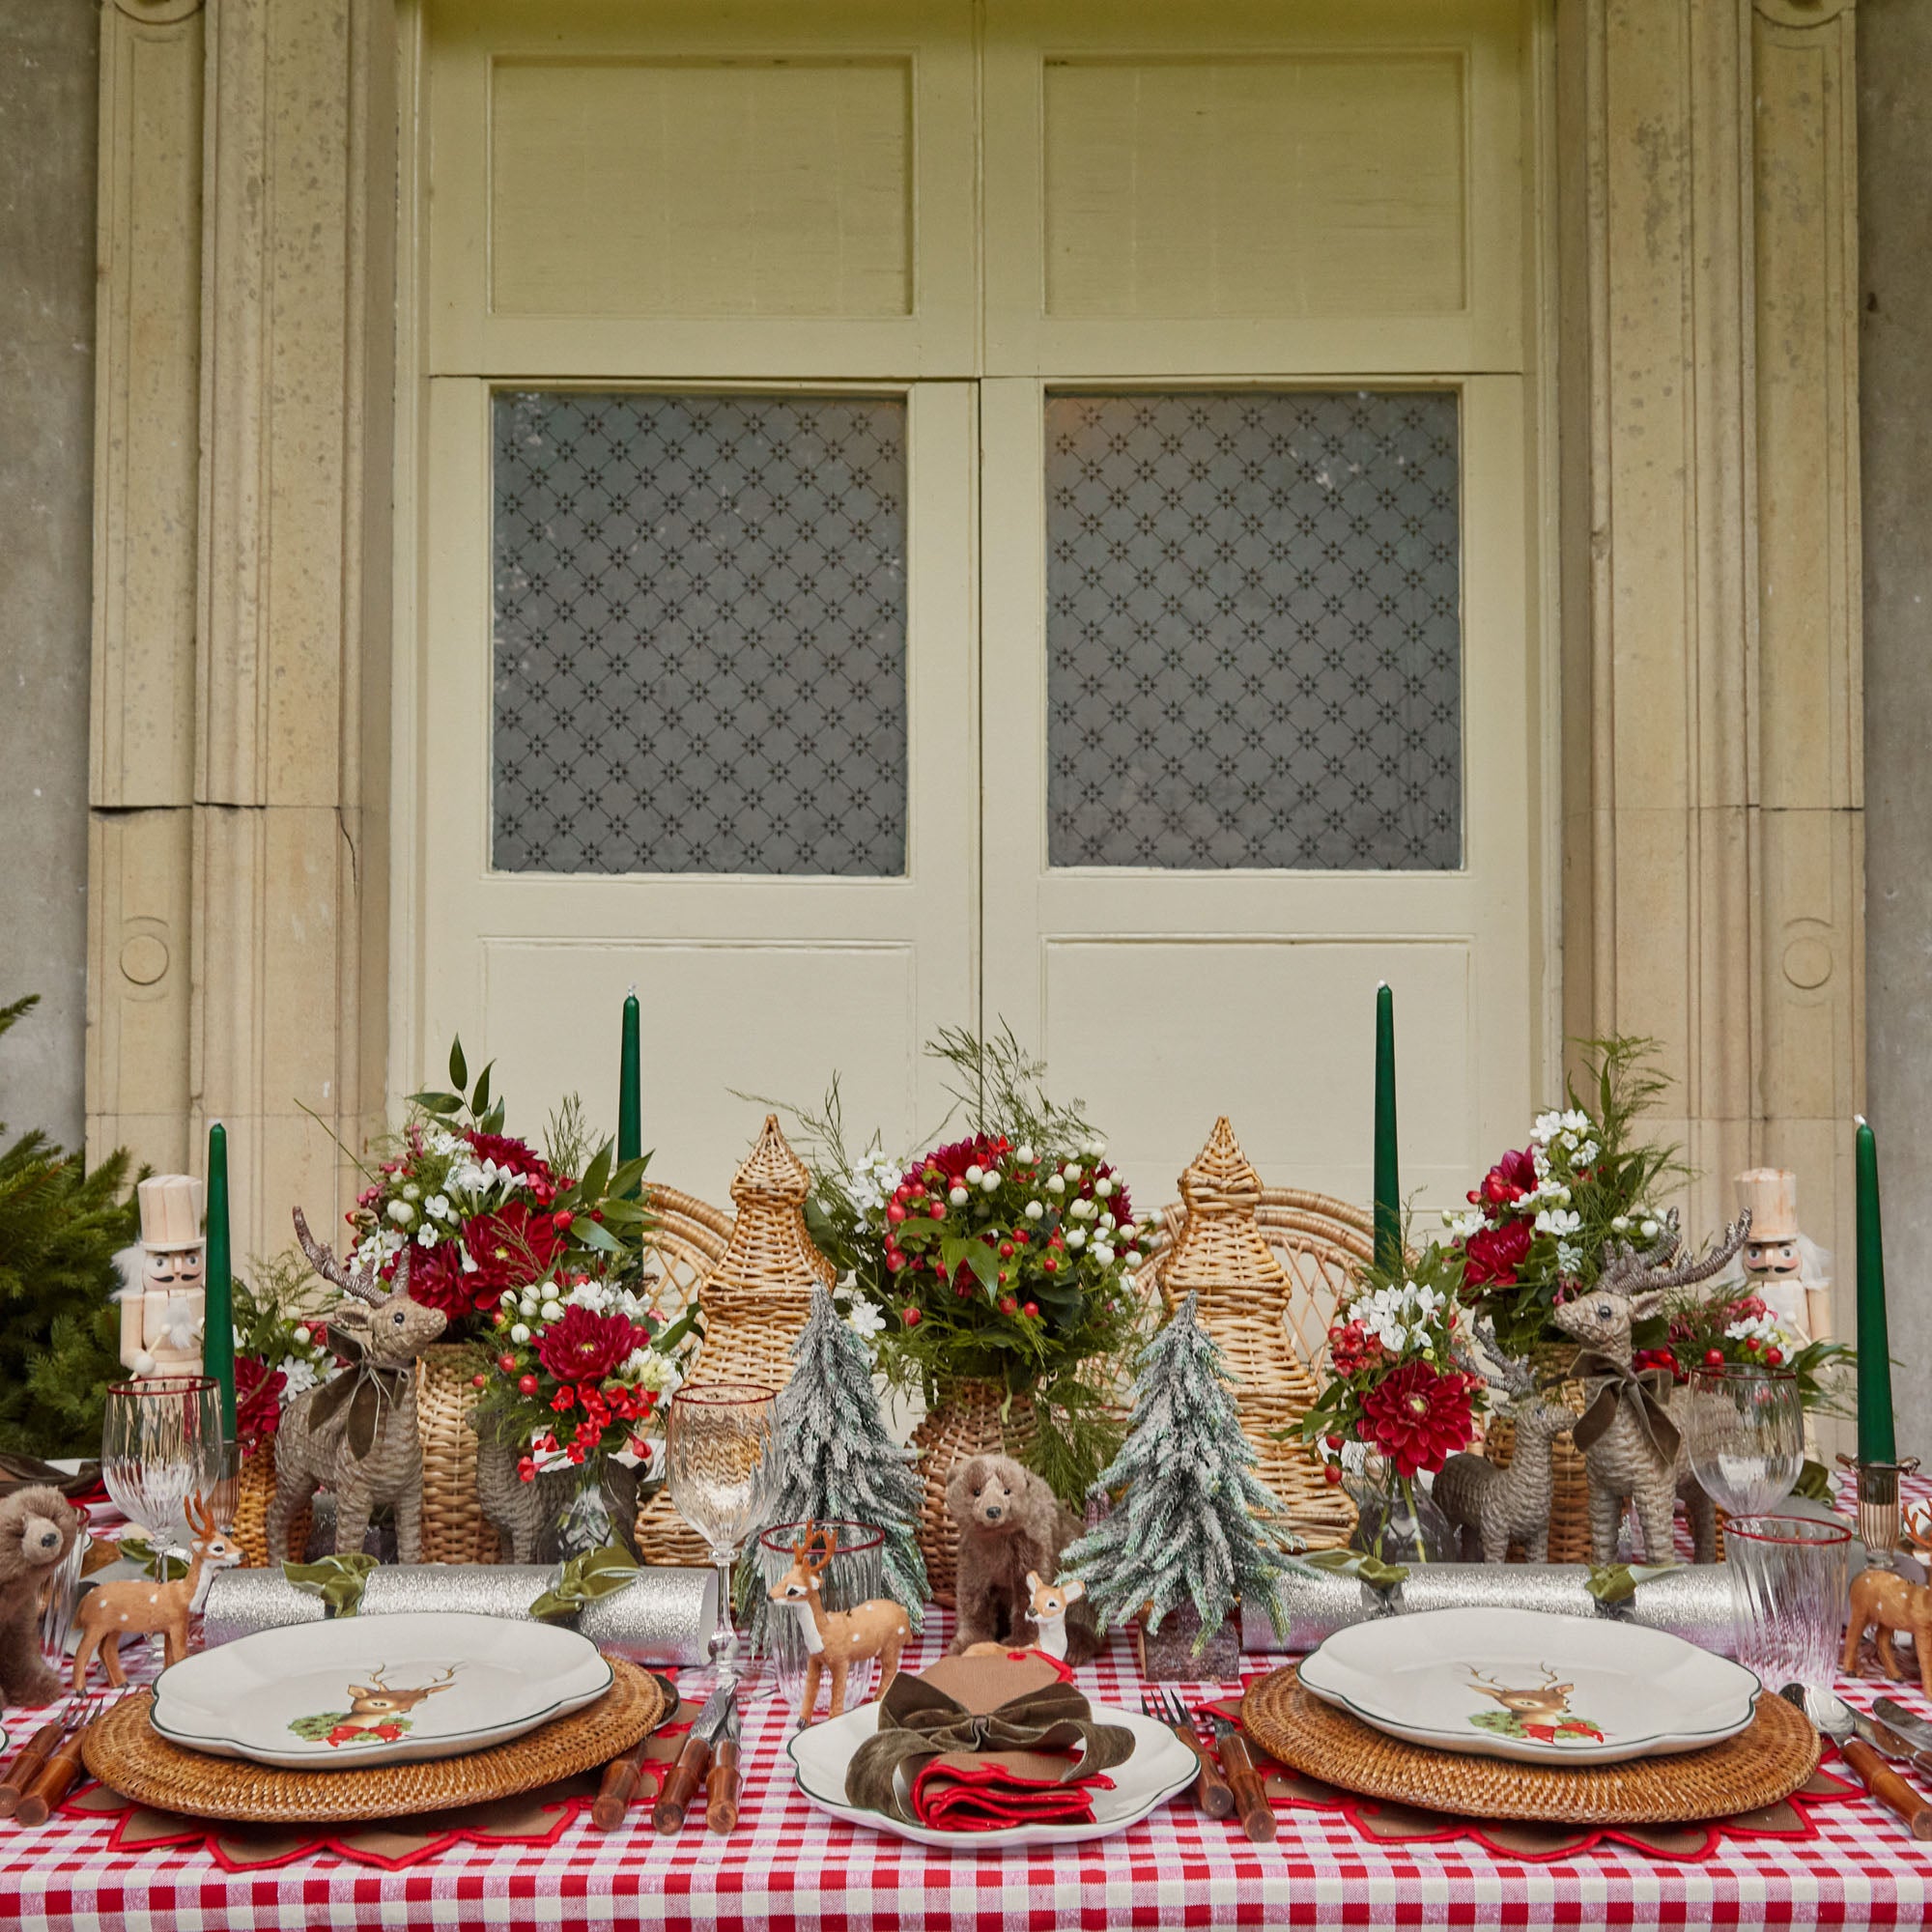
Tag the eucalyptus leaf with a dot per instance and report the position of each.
(458, 1068)
(480, 1100)
(443, 1105)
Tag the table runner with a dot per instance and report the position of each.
(789, 1866)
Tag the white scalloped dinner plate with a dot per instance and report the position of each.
(1160, 1766)
(267, 1697)
(1531, 1686)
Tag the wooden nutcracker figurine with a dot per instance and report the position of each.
(161, 1304)
(1787, 1271)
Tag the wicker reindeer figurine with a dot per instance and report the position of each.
(355, 1436)
(1632, 1445)
(1490, 1502)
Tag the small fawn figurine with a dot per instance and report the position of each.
(1884, 1601)
(836, 1639)
(374, 1704)
(1047, 1611)
(138, 1607)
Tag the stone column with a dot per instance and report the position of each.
(1711, 653)
(244, 716)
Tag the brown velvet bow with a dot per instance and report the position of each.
(919, 1722)
(362, 1391)
(1638, 1392)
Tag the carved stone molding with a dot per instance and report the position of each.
(157, 12)
(1713, 788)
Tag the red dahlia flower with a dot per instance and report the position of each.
(1418, 1418)
(512, 1156)
(586, 1347)
(1495, 1254)
(511, 1248)
(437, 1279)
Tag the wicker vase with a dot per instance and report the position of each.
(1243, 1293)
(964, 1420)
(253, 1495)
(454, 1527)
(755, 1299)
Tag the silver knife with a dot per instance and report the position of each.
(1909, 1725)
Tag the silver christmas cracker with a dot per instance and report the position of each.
(1693, 1601)
(666, 1615)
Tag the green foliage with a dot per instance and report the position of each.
(60, 1229)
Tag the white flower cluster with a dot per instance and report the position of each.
(871, 1182)
(1761, 1328)
(1401, 1316)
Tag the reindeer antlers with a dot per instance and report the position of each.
(1515, 1375)
(1916, 1532)
(815, 1548)
(367, 1287)
(1629, 1271)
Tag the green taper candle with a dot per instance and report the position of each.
(1877, 1442)
(217, 1340)
(1388, 1189)
(630, 1084)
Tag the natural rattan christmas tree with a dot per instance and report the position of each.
(1222, 1256)
(755, 1301)
(1190, 1537)
(838, 1460)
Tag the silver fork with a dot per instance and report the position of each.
(1211, 1791)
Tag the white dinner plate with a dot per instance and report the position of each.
(1160, 1766)
(1527, 1685)
(363, 1690)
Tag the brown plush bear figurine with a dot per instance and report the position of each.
(37, 1529)
(1010, 1523)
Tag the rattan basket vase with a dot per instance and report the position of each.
(1246, 1298)
(755, 1298)
(254, 1494)
(454, 1527)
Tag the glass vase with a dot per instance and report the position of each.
(853, 1575)
(1397, 1520)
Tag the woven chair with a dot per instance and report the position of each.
(757, 1294)
(1265, 1292)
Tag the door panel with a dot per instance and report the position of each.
(1167, 994)
(761, 981)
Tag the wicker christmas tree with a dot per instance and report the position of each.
(837, 1462)
(755, 1301)
(1191, 1536)
(1222, 1257)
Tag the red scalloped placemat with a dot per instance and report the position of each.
(1387, 1824)
(534, 1818)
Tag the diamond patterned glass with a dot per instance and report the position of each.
(1254, 631)
(701, 624)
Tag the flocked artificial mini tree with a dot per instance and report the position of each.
(837, 1459)
(1197, 1528)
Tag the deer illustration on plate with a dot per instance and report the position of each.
(1539, 1710)
(377, 1713)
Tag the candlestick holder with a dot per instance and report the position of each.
(1879, 1512)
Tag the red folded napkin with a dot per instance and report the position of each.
(993, 1791)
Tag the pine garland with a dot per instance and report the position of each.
(60, 1229)
(1194, 1520)
(837, 1459)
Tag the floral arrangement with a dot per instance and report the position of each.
(1534, 1229)
(1005, 1256)
(281, 1347)
(484, 1214)
(1735, 1325)
(583, 1361)
(1404, 1390)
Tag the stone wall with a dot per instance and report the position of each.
(47, 117)
(1896, 421)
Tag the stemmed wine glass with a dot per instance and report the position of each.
(159, 1445)
(718, 1443)
(1744, 1428)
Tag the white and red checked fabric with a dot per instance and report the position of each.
(788, 1866)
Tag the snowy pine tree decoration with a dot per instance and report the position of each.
(838, 1460)
(1196, 1526)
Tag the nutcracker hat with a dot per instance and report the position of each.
(1771, 1195)
(170, 1211)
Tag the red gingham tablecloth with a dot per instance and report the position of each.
(787, 1865)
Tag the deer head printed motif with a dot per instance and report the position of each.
(1545, 1703)
(378, 1703)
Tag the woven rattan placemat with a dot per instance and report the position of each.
(126, 1753)
(1761, 1766)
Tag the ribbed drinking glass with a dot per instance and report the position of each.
(1788, 1584)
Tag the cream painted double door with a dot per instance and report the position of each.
(995, 578)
